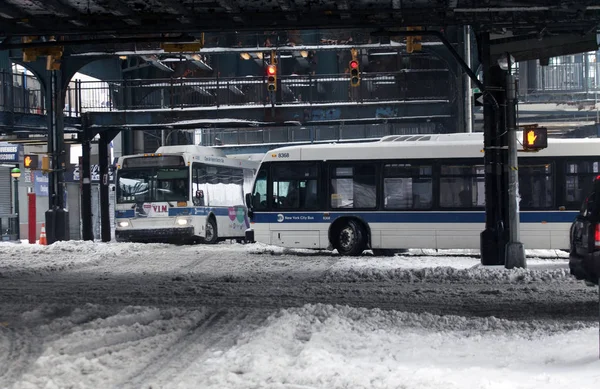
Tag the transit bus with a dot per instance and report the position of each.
(411, 191)
(182, 194)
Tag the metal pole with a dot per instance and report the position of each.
(515, 251)
(467, 81)
(18, 232)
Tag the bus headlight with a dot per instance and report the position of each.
(183, 222)
(124, 224)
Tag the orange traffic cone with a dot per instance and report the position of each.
(43, 240)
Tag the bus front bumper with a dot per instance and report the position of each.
(155, 234)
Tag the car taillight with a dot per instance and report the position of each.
(597, 236)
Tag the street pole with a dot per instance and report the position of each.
(515, 251)
(17, 208)
(467, 80)
(15, 173)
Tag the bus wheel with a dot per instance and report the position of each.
(211, 237)
(351, 238)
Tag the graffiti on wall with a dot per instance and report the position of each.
(326, 114)
(386, 112)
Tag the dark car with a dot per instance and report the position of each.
(584, 257)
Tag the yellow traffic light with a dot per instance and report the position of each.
(45, 163)
(413, 43)
(271, 78)
(535, 138)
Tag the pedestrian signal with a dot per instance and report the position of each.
(271, 78)
(354, 73)
(30, 161)
(535, 138)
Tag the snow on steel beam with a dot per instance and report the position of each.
(154, 61)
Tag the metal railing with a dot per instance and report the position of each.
(83, 96)
(21, 93)
(569, 77)
(252, 91)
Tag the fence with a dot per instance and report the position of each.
(82, 96)
(568, 77)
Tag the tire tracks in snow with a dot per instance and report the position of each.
(218, 330)
(23, 348)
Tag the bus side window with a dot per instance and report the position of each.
(259, 198)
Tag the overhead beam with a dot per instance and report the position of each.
(9, 11)
(222, 50)
(154, 61)
(56, 7)
(119, 9)
(234, 18)
(525, 48)
(97, 41)
(233, 9)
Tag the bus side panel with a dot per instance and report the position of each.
(402, 235)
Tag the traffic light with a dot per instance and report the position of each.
(354, 73)
(271, 78)
(535, 138)
(30, 161)
(413, 43)
(45, 163)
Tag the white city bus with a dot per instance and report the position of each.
(411, 191)
(182, 194)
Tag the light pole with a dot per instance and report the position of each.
(16, 173)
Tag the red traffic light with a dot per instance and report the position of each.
(271, 69)
(353, 64)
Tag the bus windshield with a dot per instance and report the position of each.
(154, 184)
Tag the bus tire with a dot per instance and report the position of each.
(211, 236)
(350, 238)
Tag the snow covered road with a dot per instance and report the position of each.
(89, 315)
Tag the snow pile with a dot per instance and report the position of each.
(60, 256)
(446, 274)
(314, 346)
(339, 347)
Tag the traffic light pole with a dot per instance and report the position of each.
(515, 251)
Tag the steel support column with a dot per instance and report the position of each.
(104, 198)
(105, 138)
(57, 217)
(86, 186)
(495, 236)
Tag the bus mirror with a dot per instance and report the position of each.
(249, 200)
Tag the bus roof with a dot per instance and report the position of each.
(201, 154)
(461, 145)
(191, 149)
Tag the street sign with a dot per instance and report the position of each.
(30, 161)
(535, 138)
(478, 97)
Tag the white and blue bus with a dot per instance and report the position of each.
(182, 194)
(411, 191)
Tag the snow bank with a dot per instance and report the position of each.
(314, 346)
(255, 262)
(446, 274)
(322, 346)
